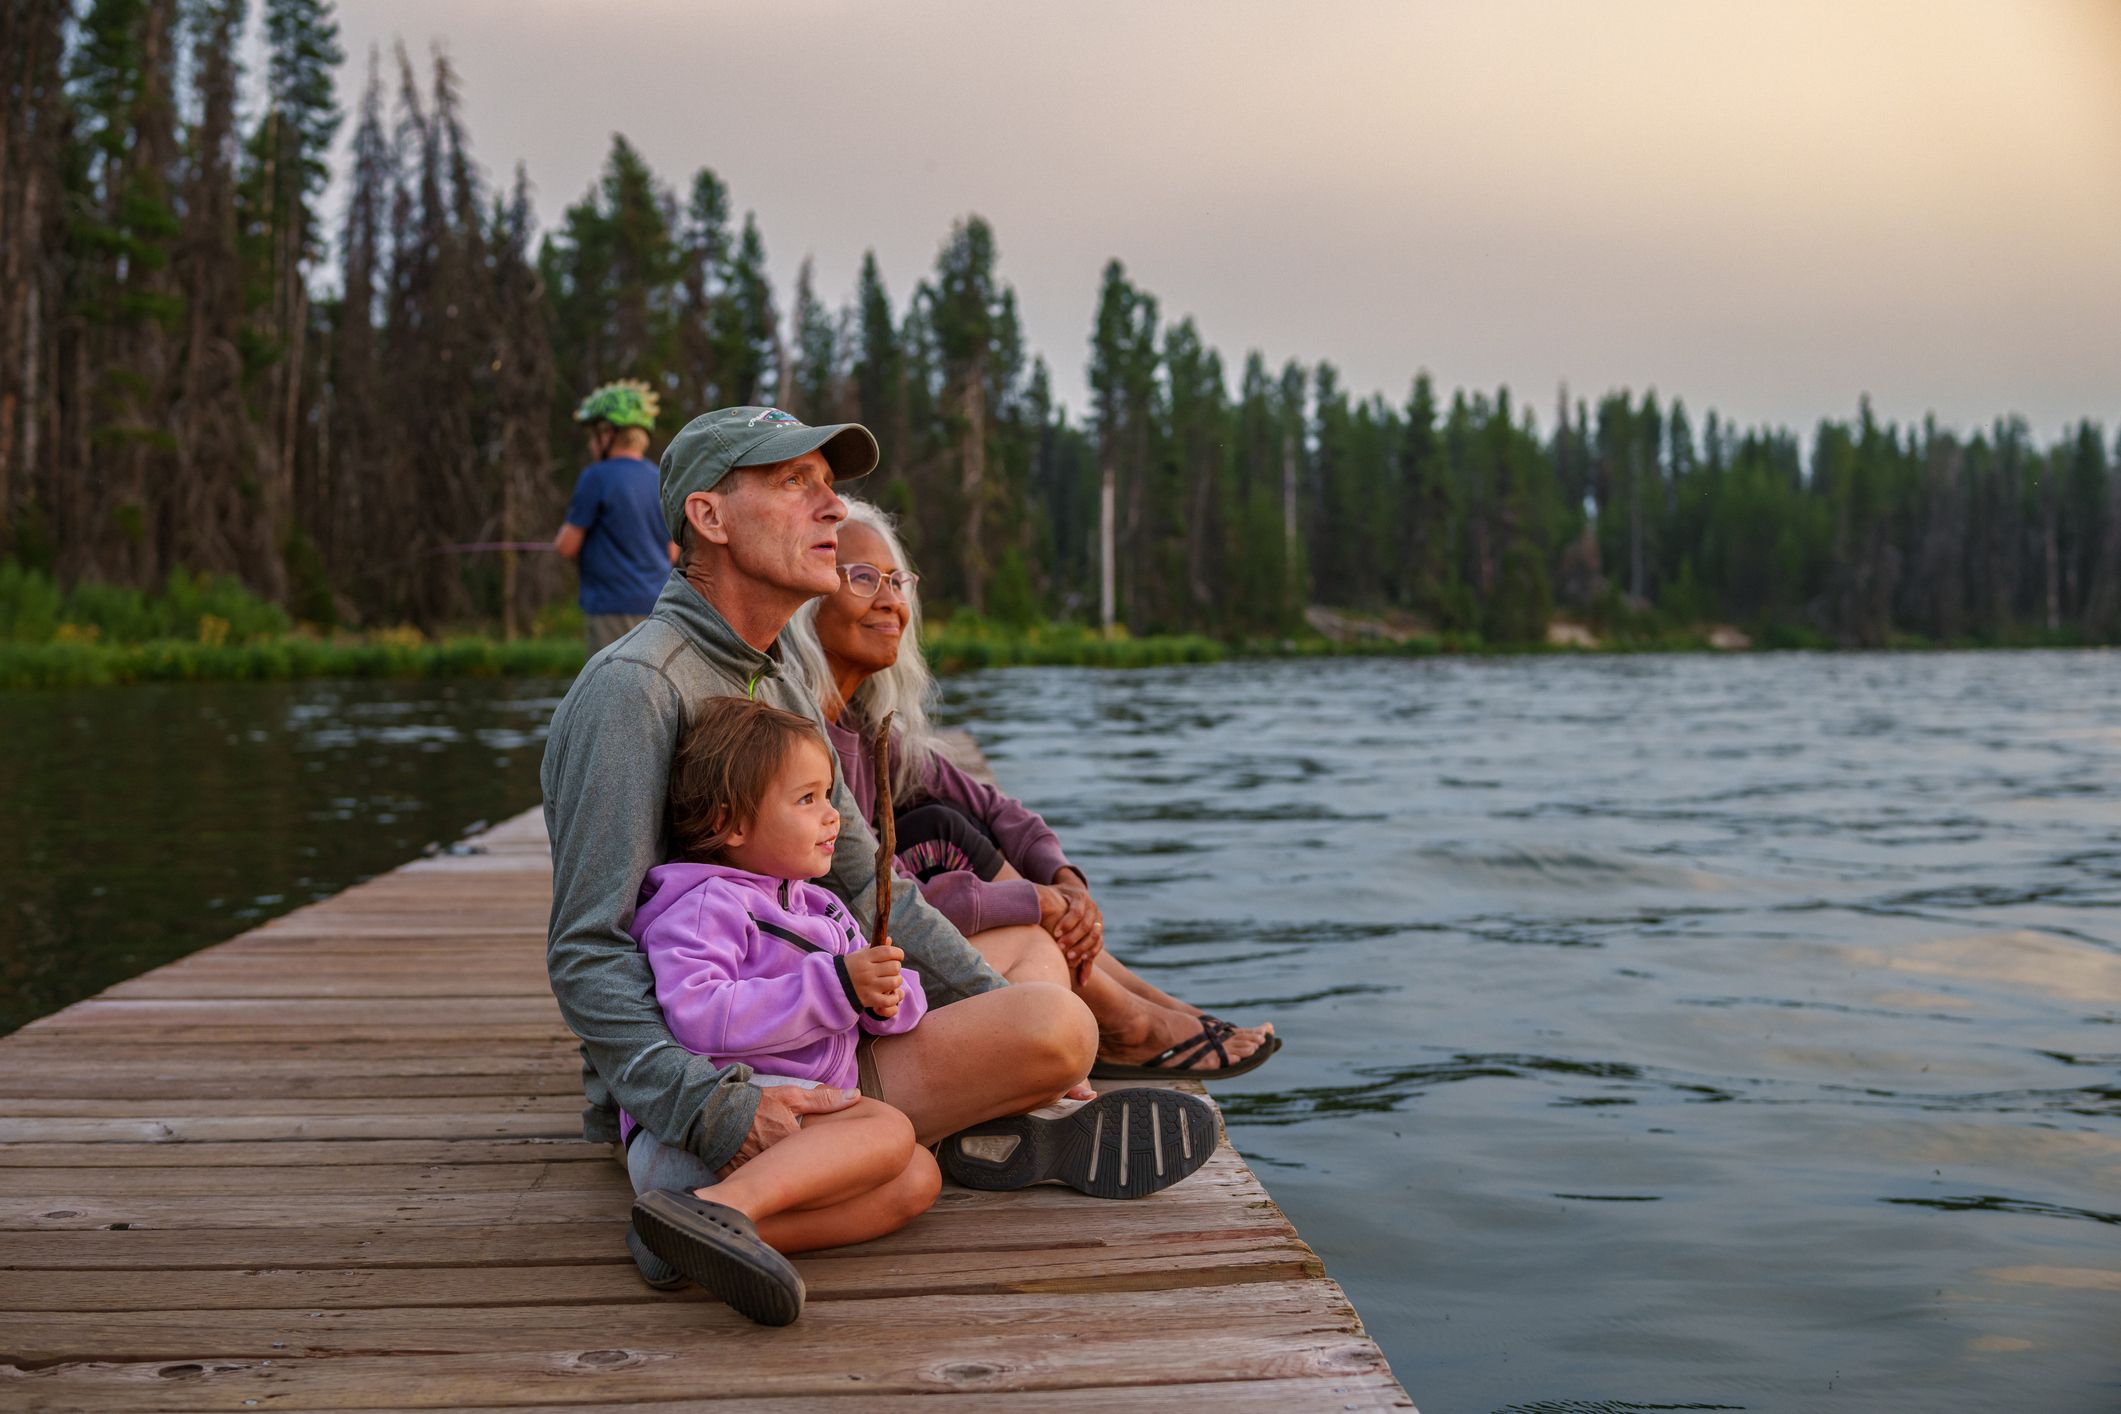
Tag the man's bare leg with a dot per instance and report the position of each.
(999, 1053)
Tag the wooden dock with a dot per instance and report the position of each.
(333, 1164)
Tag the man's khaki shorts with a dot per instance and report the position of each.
(871, 1083)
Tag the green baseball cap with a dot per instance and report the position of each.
(716, 443)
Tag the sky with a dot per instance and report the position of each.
(1766, 208)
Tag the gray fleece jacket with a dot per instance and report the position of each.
(606, 778)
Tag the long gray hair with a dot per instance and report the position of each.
(906, 688)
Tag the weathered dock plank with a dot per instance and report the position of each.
(334, 1164)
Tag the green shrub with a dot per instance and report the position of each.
(116, 614)
(29, 604)
(80, 663)
(188, 598)
(1010, 599)
(309, 583)
(562, 618)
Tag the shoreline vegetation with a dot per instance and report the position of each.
(204, 629)
(358, 403)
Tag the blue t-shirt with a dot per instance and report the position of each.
(618, 504)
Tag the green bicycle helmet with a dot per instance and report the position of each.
(626, 403)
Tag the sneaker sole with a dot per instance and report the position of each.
(1123, 1144)
(731, 1265)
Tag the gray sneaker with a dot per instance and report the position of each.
(1123, 1144)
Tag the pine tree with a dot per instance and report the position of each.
(121, 299)
(1123, 370)
(617, 277)
(1188, 526)
(289, 157)
(816, 373)
(342, 524)
(745, 329)
(517, 434)
(693, 379)
(879, 370)
(35, 147)
(203, 521)
(1326, 436)
(967, 304)
(1427, 512)
(1296, 582)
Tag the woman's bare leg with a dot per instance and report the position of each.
(1129, 1028)
(1135, 983)
(1024, 953)
(1148, 992)
(1117, 1024)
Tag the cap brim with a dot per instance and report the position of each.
(850, 449)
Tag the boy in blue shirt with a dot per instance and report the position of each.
(614, 530)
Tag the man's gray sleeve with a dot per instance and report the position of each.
(951, 969)
(606, 776)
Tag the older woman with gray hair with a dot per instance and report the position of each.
(986, 861)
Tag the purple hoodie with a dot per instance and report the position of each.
(745, 972)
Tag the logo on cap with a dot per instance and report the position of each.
(775, 415)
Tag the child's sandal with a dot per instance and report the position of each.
(718, 1247)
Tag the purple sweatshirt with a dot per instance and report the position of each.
(745, 972)
(970, 903)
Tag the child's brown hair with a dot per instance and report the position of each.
(726, 759)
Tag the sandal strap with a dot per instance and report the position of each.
(1195, 1050)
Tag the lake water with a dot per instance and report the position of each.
(142, 823)
(1662, 1033)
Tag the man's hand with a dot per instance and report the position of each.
(780, 1114)
(875, 975)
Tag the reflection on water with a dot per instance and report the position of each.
(143, 823)
(1662, 1032)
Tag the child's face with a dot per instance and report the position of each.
(792, 835)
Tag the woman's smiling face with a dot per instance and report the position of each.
(858, 632)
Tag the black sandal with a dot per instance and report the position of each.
(718, 1247)
(1185, 1058)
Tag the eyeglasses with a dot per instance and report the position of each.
(866, 580)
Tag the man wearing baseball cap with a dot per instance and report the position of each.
(750, 496)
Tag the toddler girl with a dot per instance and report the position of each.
(755, 965)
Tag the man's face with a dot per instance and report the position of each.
(781, 523)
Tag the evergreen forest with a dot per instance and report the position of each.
(203, 370)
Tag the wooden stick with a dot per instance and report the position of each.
(886, 831)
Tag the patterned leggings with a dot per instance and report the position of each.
(938, 839)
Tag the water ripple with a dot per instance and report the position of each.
(1760, 938)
